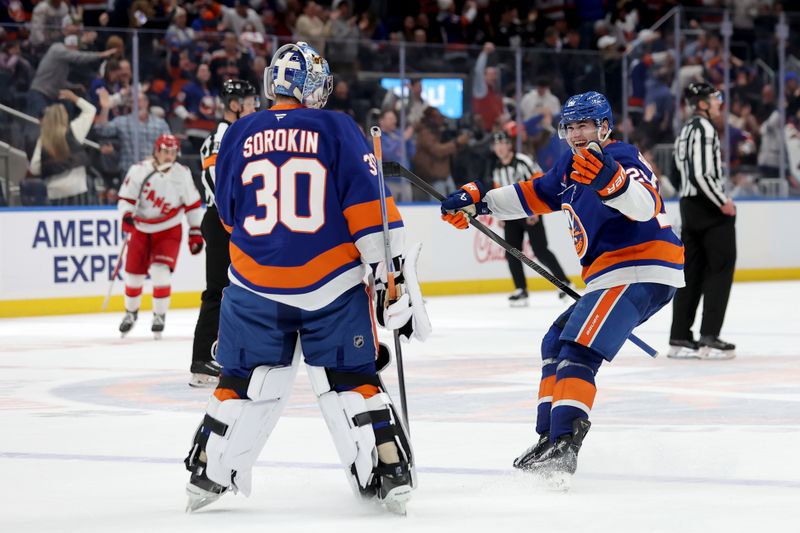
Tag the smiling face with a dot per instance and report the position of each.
(580, 133)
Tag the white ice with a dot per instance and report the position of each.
(93, 431)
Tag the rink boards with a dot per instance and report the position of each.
(60, 261)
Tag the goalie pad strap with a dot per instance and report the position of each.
(385, 434)
(234, 383)
(372, 417)
(214, 425)
(344, 379)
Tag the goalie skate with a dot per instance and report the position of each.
(395, 487)
(201, 490)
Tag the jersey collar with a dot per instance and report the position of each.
(282, 107)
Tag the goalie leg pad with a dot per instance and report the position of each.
(359, 426)
(237, 429)
(422, 324)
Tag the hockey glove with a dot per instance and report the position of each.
(195, 241)
(128, 225)
(599, 171)
(466, 199)
(406, 313)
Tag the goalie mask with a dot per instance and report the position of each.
(298, 71)
(586, 106)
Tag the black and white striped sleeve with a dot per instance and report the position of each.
(706, 167)
(527, 166)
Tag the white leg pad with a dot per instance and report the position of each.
(247, 425)
(355, 444)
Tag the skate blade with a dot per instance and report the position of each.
(202, 381)
(396, 500)
(199, 498)
(711, 354)
(519, 304)
(157, 335)
(679, 352)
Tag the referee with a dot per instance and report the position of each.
(708, 232)
(239, 98)
(510, 168)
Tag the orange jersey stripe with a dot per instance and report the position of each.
(599, 314)
(546, 386)
(209, 161)
(535, 203)
(294, 277)
(368, 215)
(228, 228)
(657, 250)
(575, 389)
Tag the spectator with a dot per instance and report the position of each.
(145, 128)
(769, 150)
(46, 20)
(179, 36)
(313, 26)
(113, 84)
(229, 62)
(235, 18)
(413, 105)
(344, 36)
(16, 74)
(51, 76)
(432, 158)
(540, 101)
(196, 105)
(340, 99)
(392, 144)
(59, 156)
(487, 100)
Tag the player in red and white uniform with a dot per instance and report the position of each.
(154, 195)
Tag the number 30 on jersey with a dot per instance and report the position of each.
(278, 196)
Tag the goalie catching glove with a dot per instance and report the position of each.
(406, 313)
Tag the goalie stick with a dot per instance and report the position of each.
(160, 168)
(392, 168)
(391, 292)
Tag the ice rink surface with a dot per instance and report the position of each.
(94, 429)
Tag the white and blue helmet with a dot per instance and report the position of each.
(297, 70)
(585, 106)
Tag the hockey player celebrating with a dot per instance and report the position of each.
(297, 187)
(239, 99)
(152, 197)
(632, 264)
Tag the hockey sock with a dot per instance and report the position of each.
(574, 391)
(550, 348)
(161, 288)
(133, 291)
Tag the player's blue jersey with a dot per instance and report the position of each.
(613, 248)
(298, 190)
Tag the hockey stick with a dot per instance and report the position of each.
(395, 169)
(391, 293)
(158, 169)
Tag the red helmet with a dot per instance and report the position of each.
(167, 140)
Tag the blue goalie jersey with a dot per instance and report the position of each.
(622, 240)
(298, 190)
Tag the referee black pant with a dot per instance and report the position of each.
(218, 260)
(709, 238)
(515, 233)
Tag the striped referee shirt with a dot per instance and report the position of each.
(520, 168)
(208, 157)
(697, 156)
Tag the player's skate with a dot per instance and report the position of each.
(127, 322)
(712, 347)
(204, 374)
(533, 454)
(558, 463)
(518, 298)
(200, 490)
(158, 325)
(394, 486)
(683, 349)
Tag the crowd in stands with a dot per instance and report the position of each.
(56, 56)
